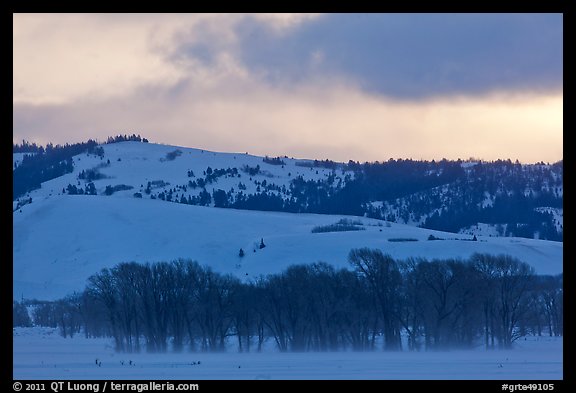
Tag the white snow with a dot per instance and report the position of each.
(60, 240)
(40, 353)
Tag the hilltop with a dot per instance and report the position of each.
(145, 202)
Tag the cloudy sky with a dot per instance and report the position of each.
(364, 87)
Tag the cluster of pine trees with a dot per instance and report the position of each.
(46, 164)
(441, 196)
(126, 138)
(485, 300)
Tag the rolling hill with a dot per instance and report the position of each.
(147, 207)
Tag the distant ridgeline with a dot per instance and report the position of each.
(513, 199)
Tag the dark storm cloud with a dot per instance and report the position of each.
(347, 86)
(414, 55)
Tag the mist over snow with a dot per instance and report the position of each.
(40, 353)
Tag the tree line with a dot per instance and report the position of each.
(442, 196)
(381, 303)
(52, 161)
(46, 164)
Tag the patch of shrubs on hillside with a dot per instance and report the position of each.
(273, 161)
(171, 156)
(252, 171)
(328, 164)
(155, 184)
(344, 225)
(120, 187)
(91, 174)
(71, 189)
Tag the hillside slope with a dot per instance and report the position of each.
(61, 237)
(498, 198)
(59, 241)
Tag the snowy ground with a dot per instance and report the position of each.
(61, 240)
(40, 353)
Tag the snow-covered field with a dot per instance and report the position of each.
(40, 353)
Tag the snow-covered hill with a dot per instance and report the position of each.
(171, 167)
(61, 239)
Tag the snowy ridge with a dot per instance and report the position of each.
(61, 239)
(135, 164)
